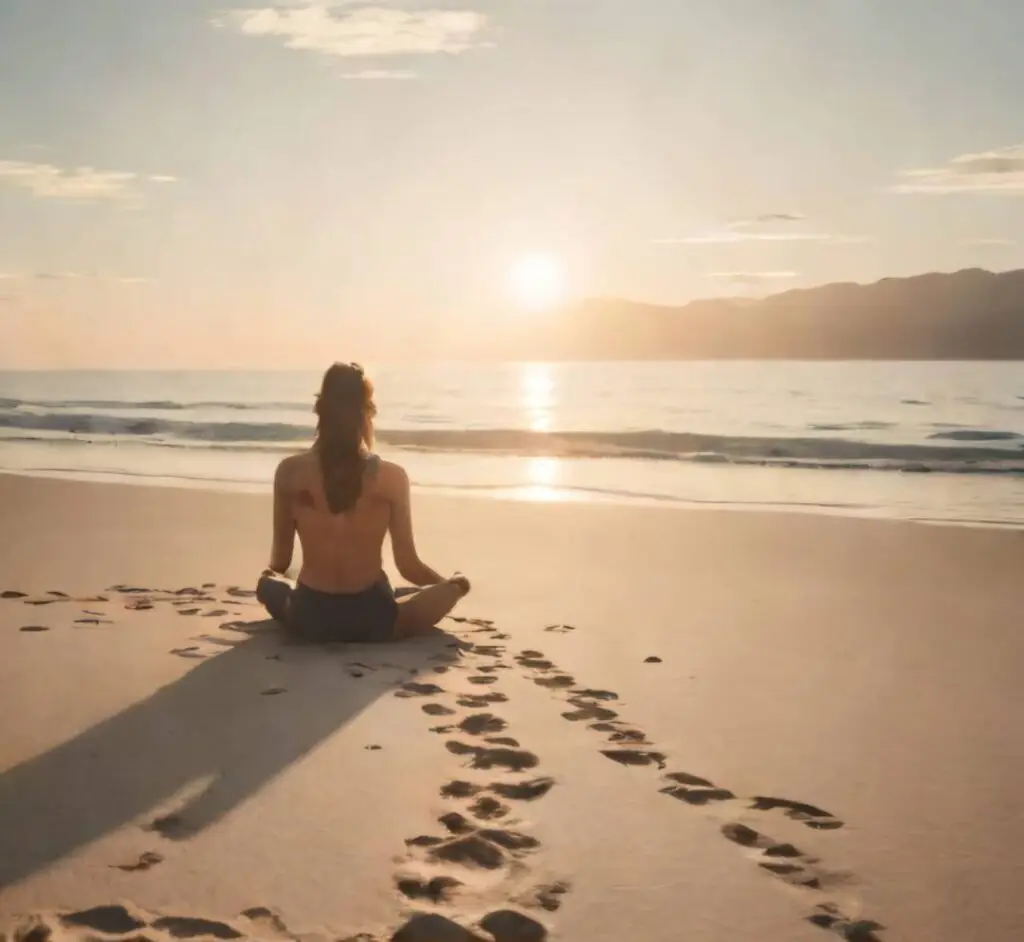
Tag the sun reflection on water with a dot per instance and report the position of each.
(543, 475)
(537, 393)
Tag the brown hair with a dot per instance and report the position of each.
(344, 432)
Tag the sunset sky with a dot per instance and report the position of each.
(186, 182)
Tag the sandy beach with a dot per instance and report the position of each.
(643, 725)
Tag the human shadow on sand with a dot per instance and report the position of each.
(213, 734)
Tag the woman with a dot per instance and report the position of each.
(342, 499)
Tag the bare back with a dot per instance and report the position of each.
(340, 552)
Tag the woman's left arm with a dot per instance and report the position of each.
(283, 543)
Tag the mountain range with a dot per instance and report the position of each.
(966, 315)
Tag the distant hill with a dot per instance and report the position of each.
(966, 315)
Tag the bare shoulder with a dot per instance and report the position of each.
(292, 466)
(392, 479)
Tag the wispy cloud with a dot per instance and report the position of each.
(765, 219)
(336, 28)
(752, 279)
(764, 227)
(994, 171)
(84, 184)
(380, 75)
(731, 236)
(990, 243)
(56, 276)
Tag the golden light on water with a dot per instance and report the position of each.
(537, 282)
(544, 475)
(537, 388)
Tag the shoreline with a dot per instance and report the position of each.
(545, 495)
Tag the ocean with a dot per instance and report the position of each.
(938, 442)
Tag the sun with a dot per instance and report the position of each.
(536, 282)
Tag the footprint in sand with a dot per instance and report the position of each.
(113, 920)
(799, 811)
(189, 927)
(546, 896)
(523, 791)
(93, 621)
(506, 925)
(119, 920)
(635, 757)
(826, 916)
(34, 628)
(587, 710)
(433, 927)
(469, 851)
(477, 701)
(694, 790)
(171, 826)
(784, 861)
(488, 809)
(418, 690)
(535, 663)
(555, 682)
(480, 723)
(436, 890)
(483, 680)
(12, 594)
(515, 760)
(146, 861)
(192, 651)
(592, 694)
(274, 691)
(460, 789)
(635, 736)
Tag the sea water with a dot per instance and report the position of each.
(925, 441)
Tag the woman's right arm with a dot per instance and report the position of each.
(403, 545)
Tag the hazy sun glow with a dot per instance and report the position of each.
(537, 282)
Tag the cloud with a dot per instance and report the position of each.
(752, 278)
(994, 171)
(766, 219)
(98, 277)
(380, 75)
(990, 243)
(724, 238)
(81, 183)
(331, 28)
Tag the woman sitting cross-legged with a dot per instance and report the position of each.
(342, 500)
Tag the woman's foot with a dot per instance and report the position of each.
(461, 582)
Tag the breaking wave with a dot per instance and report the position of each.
(968, 451)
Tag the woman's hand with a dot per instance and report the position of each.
(461, 581)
